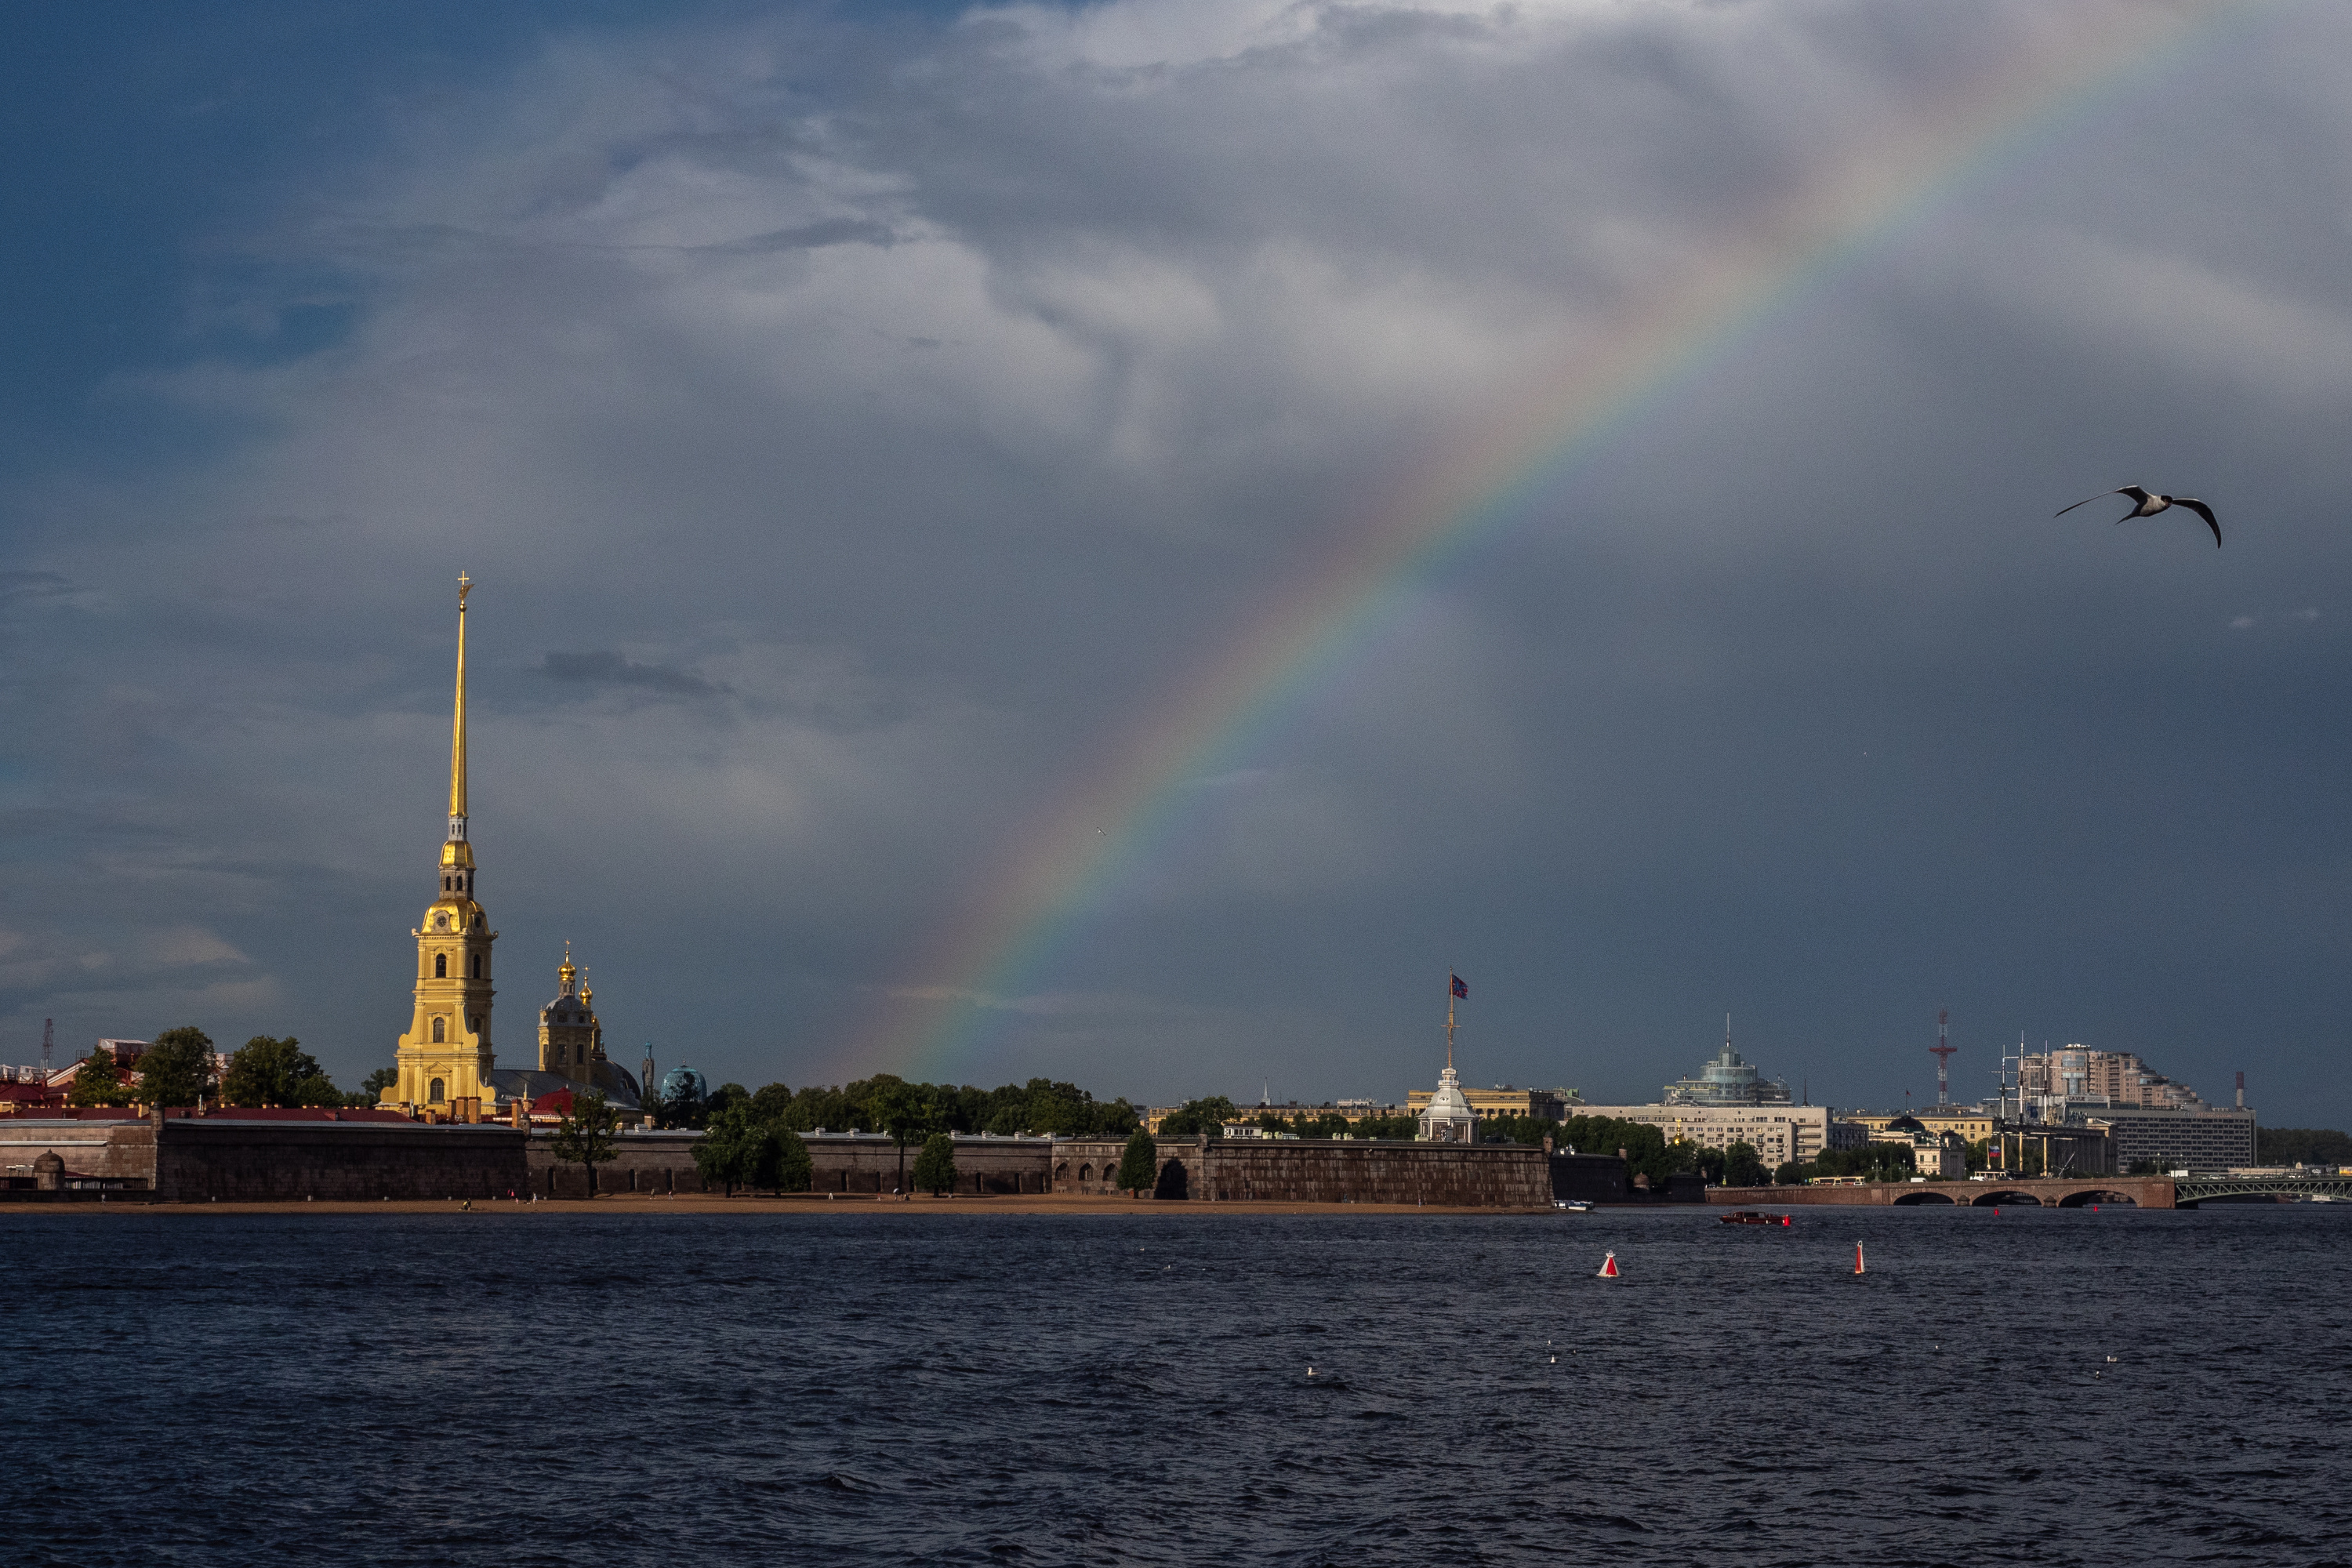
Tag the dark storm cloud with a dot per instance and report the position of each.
(941, 395)
(605, 668)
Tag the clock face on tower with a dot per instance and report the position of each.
(441, 922)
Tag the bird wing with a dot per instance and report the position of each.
(2134, 491)
(2202, 509)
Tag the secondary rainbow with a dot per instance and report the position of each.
(1111, 820)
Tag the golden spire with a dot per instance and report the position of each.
(458, 725)
(567, 973)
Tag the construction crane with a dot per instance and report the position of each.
(48, 1050)
(1942, 1051)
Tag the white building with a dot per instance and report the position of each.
(1778, 1134)
(1447, 1118)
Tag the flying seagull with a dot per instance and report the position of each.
(2146, 505)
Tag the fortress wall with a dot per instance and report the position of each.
(1462, 1175)
(643, 1161)
(114, 1151)
(663, 1162)
(844, 1163)
(1590, 1178)
(1087, 1166)
(266, 1161)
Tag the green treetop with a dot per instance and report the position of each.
(586, 1133)
(1138, 1166)
(266, 1071)
(177, 1069)
(934, 1167)
(99, 1081)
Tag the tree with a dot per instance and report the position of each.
(177, 1069)
(2143, 1168)
(1789, 1174)
(371, 1090)
(1742, 1167)
(1198, 1116)
(934, 1167)
(904, 1111)
(728, 1149)
(784, 1161)
(1139, 1166)
(266, 1071)
(770, 1103)
(586, 1133)
(2302, 1146)
(99, 1081)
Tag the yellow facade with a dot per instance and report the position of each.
(446, 1055)
(1973, 1125)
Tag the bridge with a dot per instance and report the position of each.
(2198, 1186)
(2065, 1192)
(2068, 1192)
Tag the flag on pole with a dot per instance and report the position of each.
(1461, 988)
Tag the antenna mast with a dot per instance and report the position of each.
(1942, 1051)
(48, 1050)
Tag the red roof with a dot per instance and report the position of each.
(222, 1112)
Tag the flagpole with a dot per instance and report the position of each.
(1449, 1018)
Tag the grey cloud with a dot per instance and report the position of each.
(605, 668)
(808, 237)
(1790, 698)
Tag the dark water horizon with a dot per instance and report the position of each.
(2039, 1386)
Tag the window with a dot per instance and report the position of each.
(440, 966)
(477, 966)
(441, 922)
(439, 1037)
(435, 1096)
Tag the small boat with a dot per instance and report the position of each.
(1572, 1206)
(1752, 1216)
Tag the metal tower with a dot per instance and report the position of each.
(48, 1050)
(1942, 1051)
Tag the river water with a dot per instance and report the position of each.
(559, 1388)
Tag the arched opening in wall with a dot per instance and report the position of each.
(1171, 1181)
(1085, 1173)
(440, 966)
(435, 1093)
(2008, 1200)
(438, 1026)
(2101, 1200)
(1920, 1200)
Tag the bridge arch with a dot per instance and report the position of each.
(2102, 1198)
(1921, 1200)
(1172, 1180)
(2010, 1197)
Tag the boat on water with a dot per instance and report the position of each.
(1572, 1206)
(1752, 1216)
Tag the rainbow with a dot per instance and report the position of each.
(1109, 823)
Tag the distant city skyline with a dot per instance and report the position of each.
(1116, 543)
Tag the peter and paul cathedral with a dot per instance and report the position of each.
(445, 1060)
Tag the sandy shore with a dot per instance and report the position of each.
(796, 1204)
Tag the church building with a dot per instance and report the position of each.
(445, 1060)
(572, 1048)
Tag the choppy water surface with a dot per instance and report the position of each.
(556, 1388)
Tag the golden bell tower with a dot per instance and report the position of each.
(445, 1058)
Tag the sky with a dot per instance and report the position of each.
(1124, 542)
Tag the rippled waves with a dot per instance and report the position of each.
(626, 1389)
